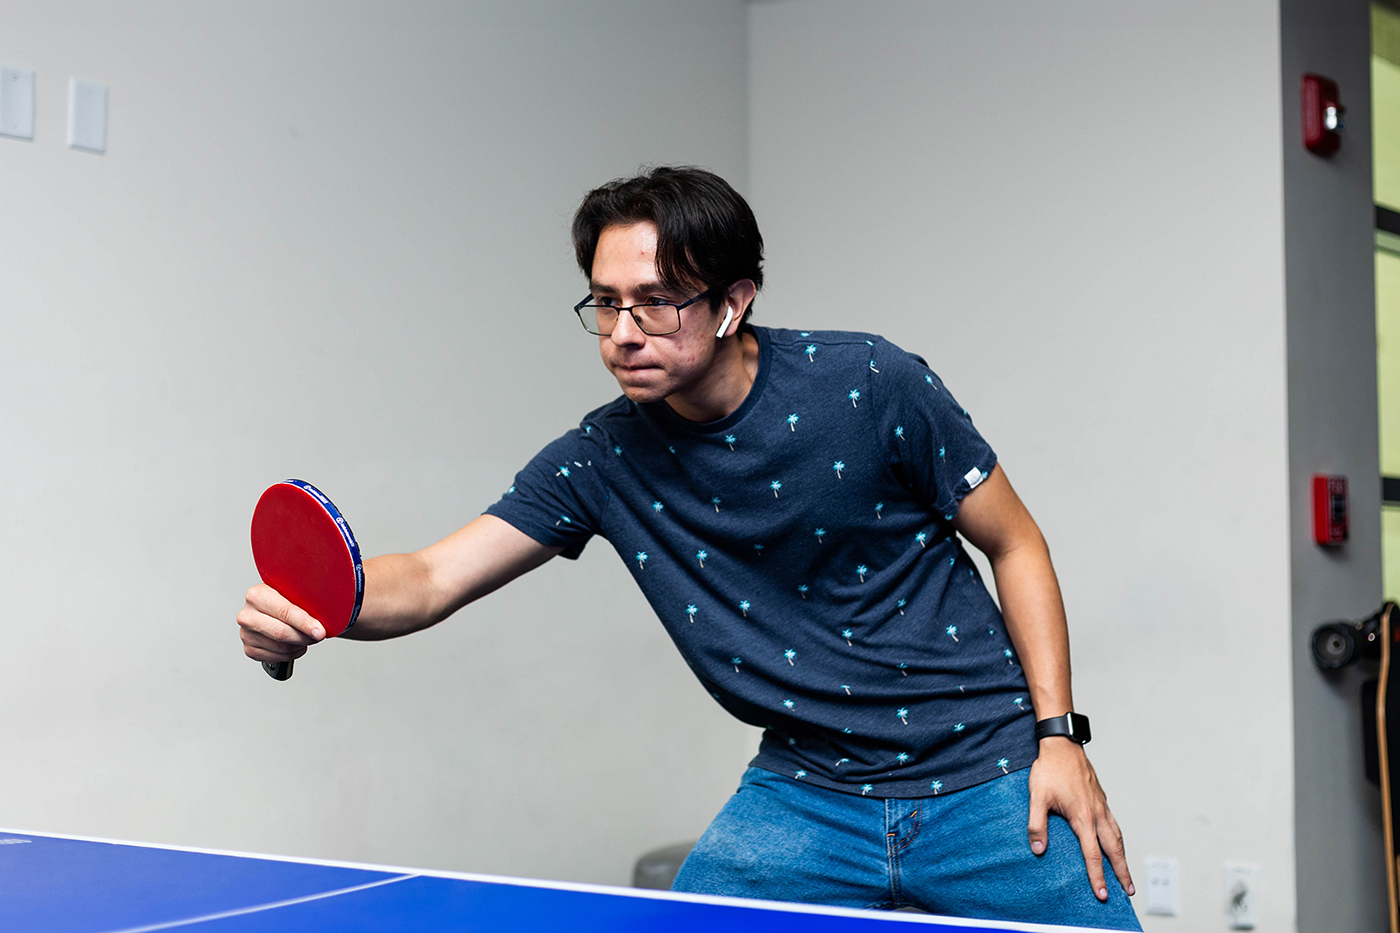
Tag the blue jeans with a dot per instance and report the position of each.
(963, 854)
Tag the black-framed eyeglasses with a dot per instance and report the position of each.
(655, 317)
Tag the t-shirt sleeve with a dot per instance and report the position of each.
(929, 438)
(558, 497)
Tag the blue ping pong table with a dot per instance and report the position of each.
(67, 884)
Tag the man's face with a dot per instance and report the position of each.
(649, 368)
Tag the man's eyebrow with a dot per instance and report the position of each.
(644, 288)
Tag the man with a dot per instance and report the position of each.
(790, 503)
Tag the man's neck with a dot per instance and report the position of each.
(731, 378)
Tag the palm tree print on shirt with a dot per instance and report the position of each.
(736, 662)
(758, 549)
(848, 635)
(811, 348)
(1019, 703)
(922, 538)
(902, 758)
(700, 555)
(861, 571)
(792, 420)
(744, 607)
(866, 788)
(952, 631)
(847, 688)
(730, 439)
(879, 507)
(820, 533)
(958, 729)
(563, 471)
(900, 605)
(802, 589)
(899, 431)
(691, 610)
(642, 560)
(1010, 657)
(935, 786)
(775, 486)
(838, 466)
(841, 761)
(872, 367)
(714, 500)
(617, 449)
(853, 395)
(657, 506)
(788, 703)
(903, 714)
(799, 773)
(790, 654)
(903, 668)
(1002, 764)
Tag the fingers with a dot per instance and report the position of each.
(273, 629)
(1093, 856)
(1111, 838)
(1037, 829)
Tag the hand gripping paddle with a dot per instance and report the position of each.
(304, 550)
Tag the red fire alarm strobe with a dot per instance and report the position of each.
(1329, 509)
(1322, 115)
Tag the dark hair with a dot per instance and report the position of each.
(706, 232)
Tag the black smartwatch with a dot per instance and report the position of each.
(1071, 725)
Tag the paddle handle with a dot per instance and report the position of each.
(279, 670)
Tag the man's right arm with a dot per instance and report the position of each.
(403, 592)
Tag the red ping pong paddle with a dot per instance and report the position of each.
(304, 550)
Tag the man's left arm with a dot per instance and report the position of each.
(993, 519)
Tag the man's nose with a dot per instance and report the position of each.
(626, 333)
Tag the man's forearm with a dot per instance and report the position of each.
(397, 598)
(408, 592)
(1035, 619)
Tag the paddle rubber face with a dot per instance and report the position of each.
(304, 550)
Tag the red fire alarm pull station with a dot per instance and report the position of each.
(1329, 509)
(1322, 115)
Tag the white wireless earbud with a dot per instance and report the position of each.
(728, 316)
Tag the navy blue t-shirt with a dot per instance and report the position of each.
(801, 555)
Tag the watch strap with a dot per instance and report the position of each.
(1072, 726)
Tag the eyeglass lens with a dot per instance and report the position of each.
(652, 319)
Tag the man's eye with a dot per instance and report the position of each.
(605, 302)
(655, 300)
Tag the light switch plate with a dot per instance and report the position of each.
(1162, 887)
(16, 102)
(87, 115)
(1242, 895)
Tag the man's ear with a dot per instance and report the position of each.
(739, 296)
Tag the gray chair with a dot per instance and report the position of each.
(657, 869)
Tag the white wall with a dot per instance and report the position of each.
(329, 240)
(1074, 211)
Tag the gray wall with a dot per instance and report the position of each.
(1332, 428)
(1074, 211)
(329, 240)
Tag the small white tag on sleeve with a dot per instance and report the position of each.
(974, 477)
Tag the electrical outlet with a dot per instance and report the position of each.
(87, 116)
(1242, 895)
(16, 102)
(1162, 886)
